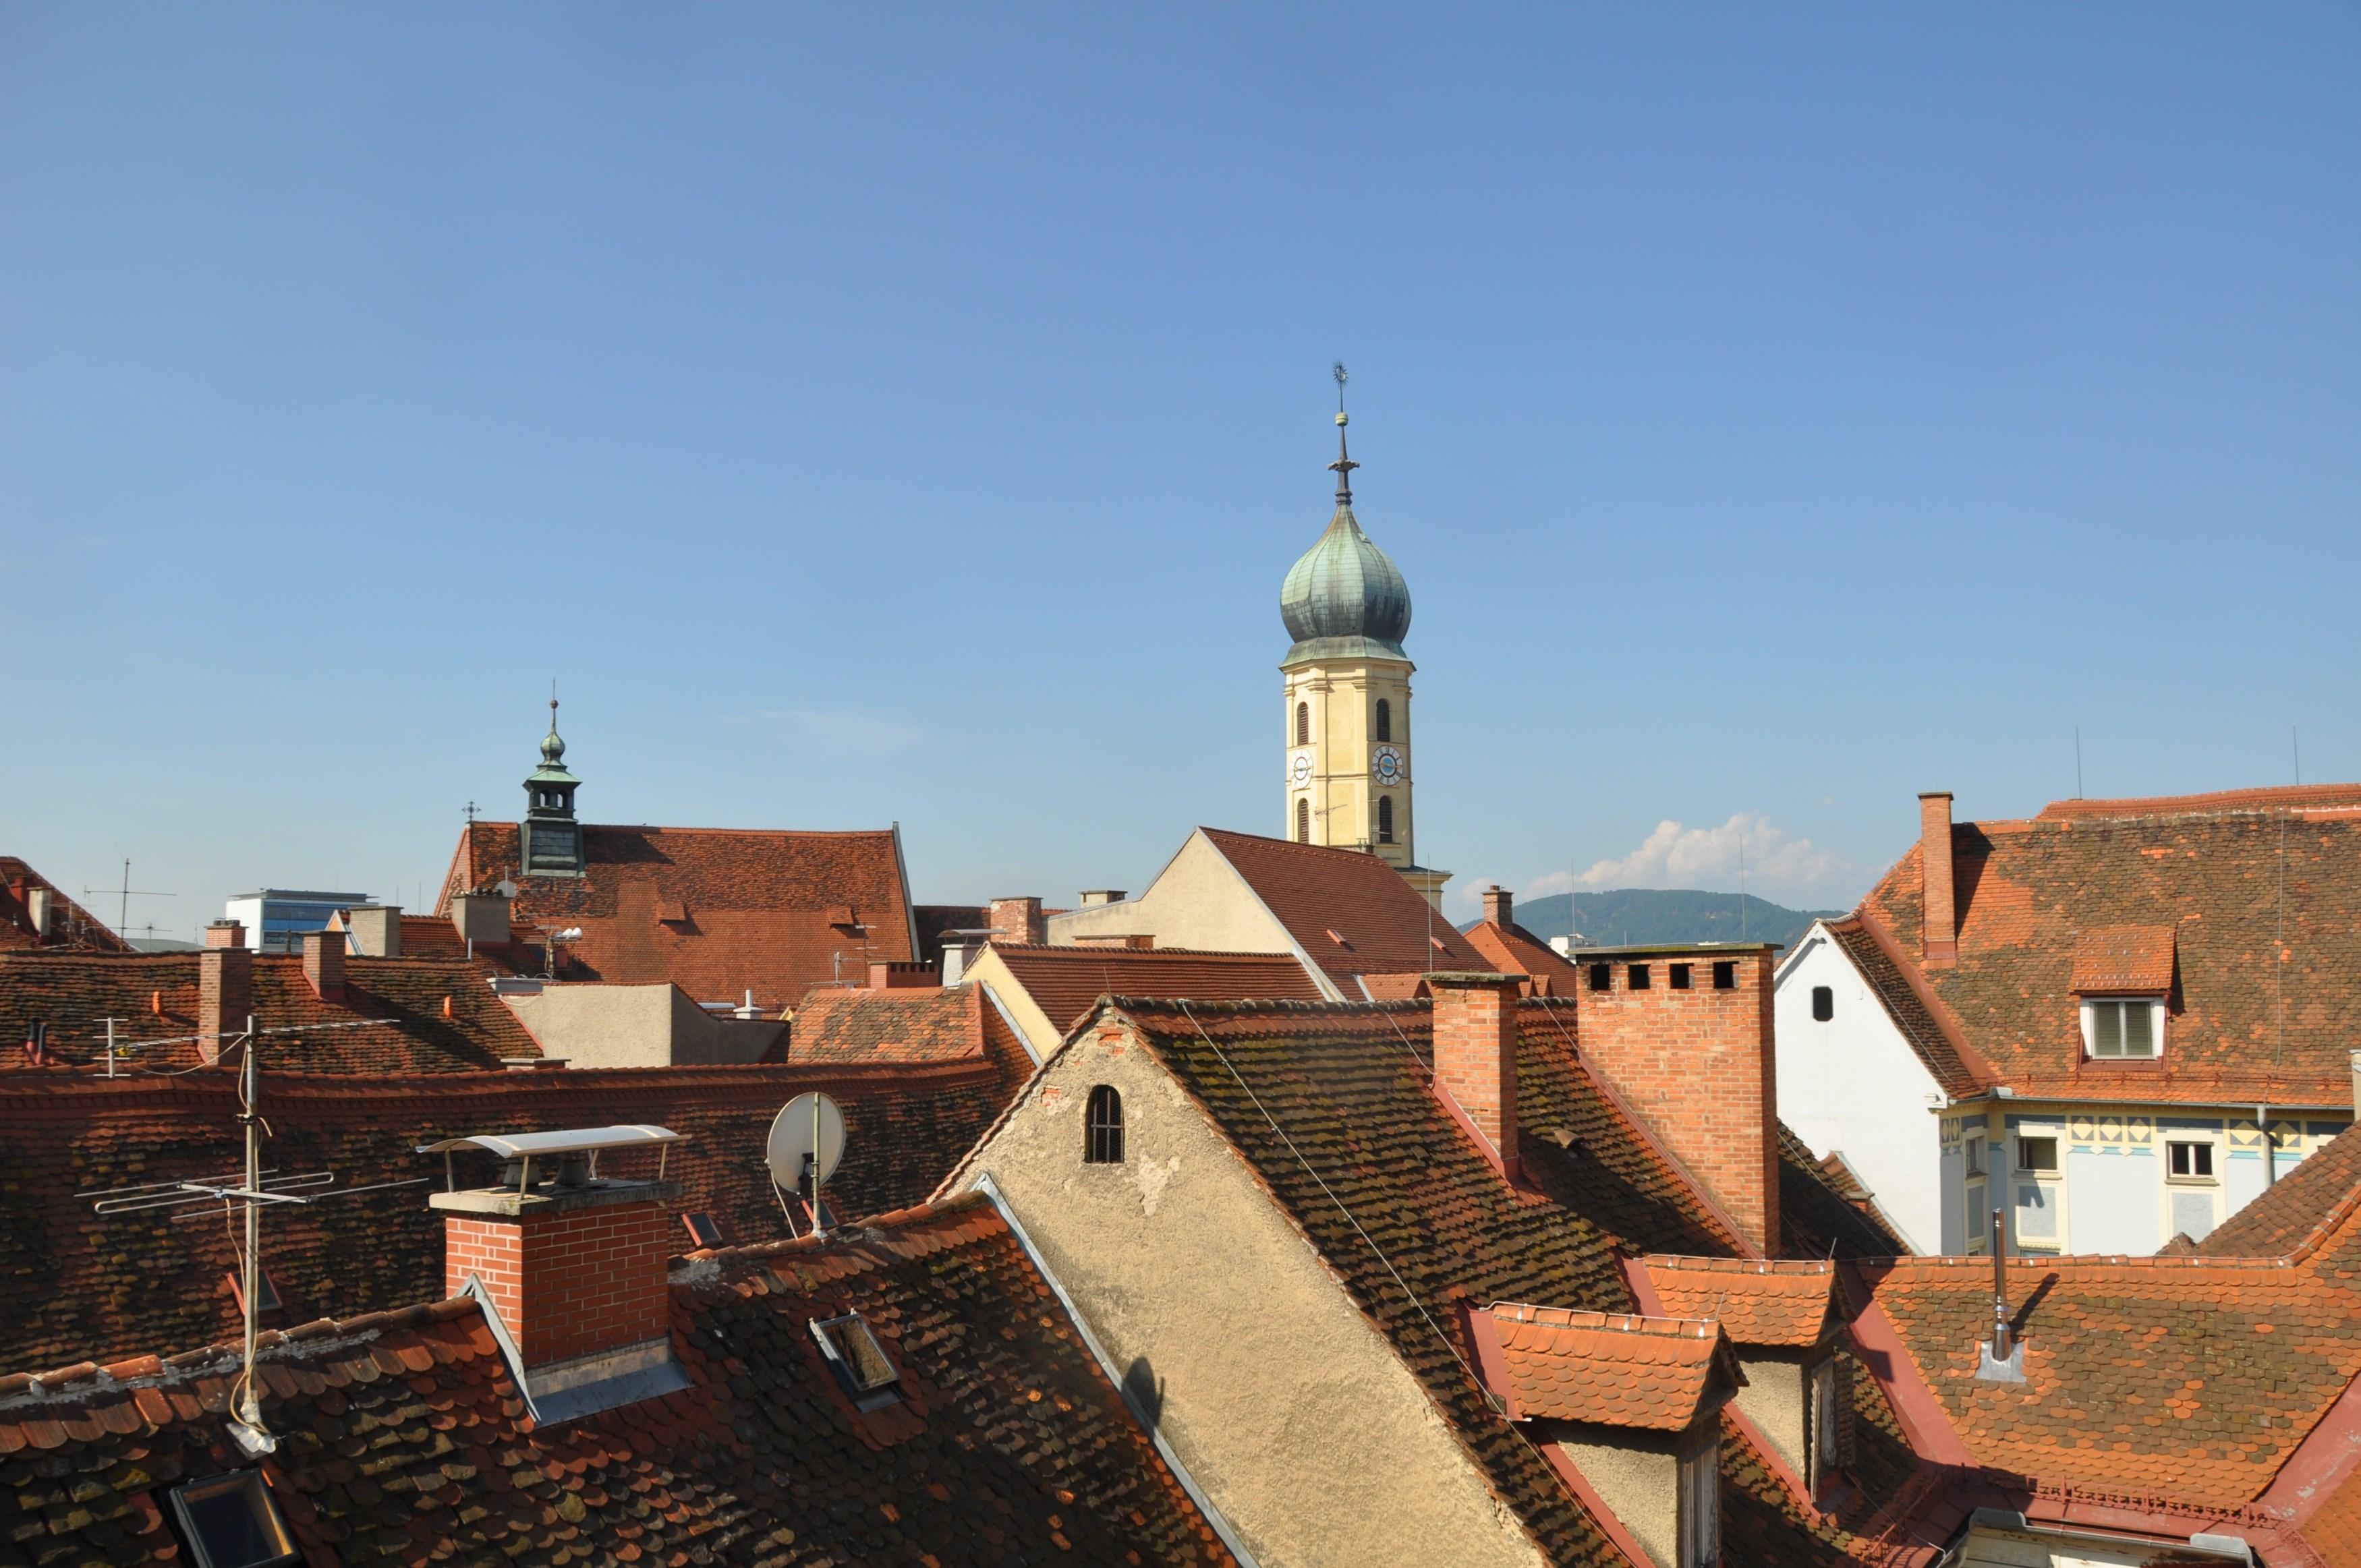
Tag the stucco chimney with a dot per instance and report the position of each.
(1019, 920)
(225, 995)
(226, 934)
(38, 909)
(479, 916)
(1690, 1046)
(323, 964)
(1476, 1056)
(377, 930)
(1941, 918)
(1499, 905)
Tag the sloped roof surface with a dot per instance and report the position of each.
(71, 925)
(74, 1286)
(2290, 1213)
(1513, 949)
(2123, 958)
(845, 1024)
(2226, 873)
(154, 996)
(1065, 981)
(720, 912)
(1313, 890)
(403, 1435)
(1928, 1035)
(1609, 1368)
(1766, 1303)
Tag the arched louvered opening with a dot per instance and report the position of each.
(1103, 1125)
(1385, 819)
(1385, 719)
(1303, 724)
(1302, 821)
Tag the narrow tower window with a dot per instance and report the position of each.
(1302, 821)
(1303, 724)
(1105, 1127)
(1385, 819)
(1385, 719)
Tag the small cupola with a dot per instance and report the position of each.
(550, 839)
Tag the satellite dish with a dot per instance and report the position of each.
(810, 1124)
(506, 889)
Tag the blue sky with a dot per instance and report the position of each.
(878, 413)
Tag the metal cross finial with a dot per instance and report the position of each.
(1344, 466)
(472, 809)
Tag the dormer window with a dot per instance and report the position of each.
(2123, 1028)
(863, 1369)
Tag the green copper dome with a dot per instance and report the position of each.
(1344, 598)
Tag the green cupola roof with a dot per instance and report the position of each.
(1344, 598)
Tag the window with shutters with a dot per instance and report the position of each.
(2123, 1028)
(1302, 821)
(1303, 724)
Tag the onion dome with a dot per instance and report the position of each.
(1344, 598)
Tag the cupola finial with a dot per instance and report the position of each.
(1344, 466)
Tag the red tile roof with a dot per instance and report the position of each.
(1312, 890)
(2030, 895)
(1513, 949)
(431, 1016)
(402, 1434)
(1064, 982)
(2122, 958)
(71, 925)
(2296, 1212)
(881, 1028)
(1780, 1302)
(1608, 1368)
(772, 913)
(73, 1286)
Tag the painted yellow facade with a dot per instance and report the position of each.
(1343, 759)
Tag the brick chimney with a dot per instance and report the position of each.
(1019, 920)
(1941, 919)
(1499, 905)
(1693, 1056)
(225, 995)
(323, 964)
(1476, 1056)
(896, 975)
(577, 1271)
(376, 929)
(226, 934)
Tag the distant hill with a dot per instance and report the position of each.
(1639, 915)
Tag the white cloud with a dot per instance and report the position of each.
(841, 731)
(1675, 855)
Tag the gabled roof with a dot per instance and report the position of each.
(1350, 911)
(1065, 981)
(878, 1028)
(403, 1434)
(1606, 1368)
(718, 911)
(2294, 1212)
(1513, 949)
(434, 1015)
(1779, 1303)
(71, 925)
(2228, 875)
(74, 1286)
(1923, 1022)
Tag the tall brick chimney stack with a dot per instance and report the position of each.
(1019, 920)
(323, 964)
(1941, 919)
(1686, 1035)
(1475, 1055)
(577, 1268)
(1499, 905)
(226, 934)
(225, 995)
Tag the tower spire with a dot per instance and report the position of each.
(1344, 466)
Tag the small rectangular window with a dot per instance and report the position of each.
(2037, 1154)
(1601, 977)
(2189, 1161)
(1974, 1149)
(1636, 976)
(1680, 977)
(2123, 1029)
(230, 1521)
(1725, 974)
(1824, 1003)
(860, 1362)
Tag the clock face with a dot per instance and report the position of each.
(1300, 768)
(1386, 765)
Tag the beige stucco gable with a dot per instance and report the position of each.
(1285, 1407)
(601, 1023)
(1198, 900)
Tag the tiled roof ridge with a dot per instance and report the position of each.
(1168, 1005)
(1953, 1036)
(1981, 1265)
(1291, 845)
(728, 833)
(1625, 1322)
(1801, 1267)
(874, 1242)
(2263, 801)
(84, 1378)
(1079, 950)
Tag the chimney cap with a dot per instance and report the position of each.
(1471, 979)
(1934, 795)
(516, 1146)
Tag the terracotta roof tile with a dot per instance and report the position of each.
(70, 926)
(845, 1024)
(1513, 949)
(1765, 1303)
(1609, 1368)
(2322, 1188)
(2122, 958)
(1312, 890)
(1065, 981)
(772, 913)
(1009, 1444)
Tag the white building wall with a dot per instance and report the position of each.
(2112, 1200)
(1853, 1085)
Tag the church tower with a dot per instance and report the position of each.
(551, 838)
(1347, 683)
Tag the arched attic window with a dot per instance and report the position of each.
(1385, 719)
(1302, 821)
(1303, 724)
(1103, 1128)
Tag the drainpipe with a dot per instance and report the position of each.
(2270, 1151)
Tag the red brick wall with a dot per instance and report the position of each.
(1941, 944)
(1697, 1064)
(1476, 1052)
(569, 1284)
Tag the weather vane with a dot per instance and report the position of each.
(1337, 370)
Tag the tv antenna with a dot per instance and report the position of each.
(252, 1189)
(806, 1145)
(126, 892)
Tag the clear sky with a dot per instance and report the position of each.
(880, 413)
